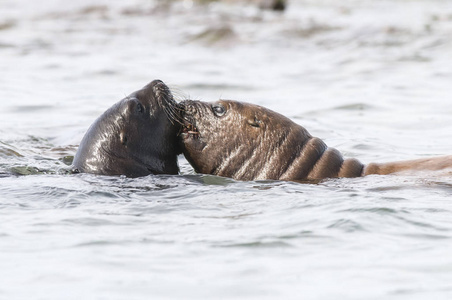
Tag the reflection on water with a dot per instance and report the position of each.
(370, 78)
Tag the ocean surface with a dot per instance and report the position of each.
(371, 78)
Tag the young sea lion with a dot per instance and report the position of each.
(249, 142)
(137, 136)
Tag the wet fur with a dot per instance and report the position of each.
(135, 137)
(250, 142)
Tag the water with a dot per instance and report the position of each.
(370, 78)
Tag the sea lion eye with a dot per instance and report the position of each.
(218, 110)
(140, 108)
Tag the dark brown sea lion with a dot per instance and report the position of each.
(137, 136)
(249, 142)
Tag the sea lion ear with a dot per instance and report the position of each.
(255, 122)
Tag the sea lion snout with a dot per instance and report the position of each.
(160, 89)
(189, 107)
(188, 110)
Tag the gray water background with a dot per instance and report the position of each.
(371, 78)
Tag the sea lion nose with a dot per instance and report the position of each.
(156, 82)
(158, 86)
(153, 84)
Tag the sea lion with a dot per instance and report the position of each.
(135, 137)
(249, 142)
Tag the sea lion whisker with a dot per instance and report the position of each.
(170, 119)
(179, 107)
(178, 93)
(177, 119)
(173, 115)
(168, 114)
(177, 110)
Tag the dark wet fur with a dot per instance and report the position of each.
(137, 136)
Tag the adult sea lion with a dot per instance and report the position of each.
(249, 142)
(137, 136)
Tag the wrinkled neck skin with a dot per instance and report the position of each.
(250, 142)
(135, 137)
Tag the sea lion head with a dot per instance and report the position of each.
(137, 136)
(239, 140)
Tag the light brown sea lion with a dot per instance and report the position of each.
(135, 137)
(249, 142)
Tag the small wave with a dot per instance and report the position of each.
(257, 244)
